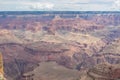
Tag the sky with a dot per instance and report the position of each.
(59, 5)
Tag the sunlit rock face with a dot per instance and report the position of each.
(75, 42)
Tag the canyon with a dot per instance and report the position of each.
(80, 45)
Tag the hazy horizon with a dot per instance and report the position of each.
(62, 5)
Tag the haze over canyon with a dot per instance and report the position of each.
(60, 45)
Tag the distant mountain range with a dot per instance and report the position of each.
(57, 12)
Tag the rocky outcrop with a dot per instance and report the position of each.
(103, 72)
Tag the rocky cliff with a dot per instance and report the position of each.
(74, 41)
